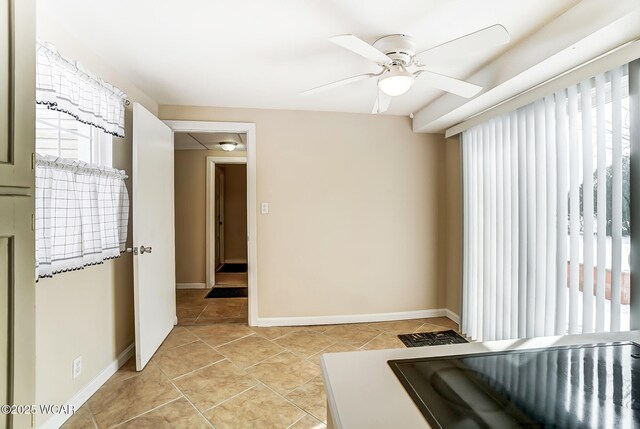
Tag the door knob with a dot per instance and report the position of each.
(144, 250)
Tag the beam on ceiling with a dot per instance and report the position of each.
(586, 31)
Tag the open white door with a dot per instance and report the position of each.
(153, 233)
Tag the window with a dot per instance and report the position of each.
(81, 202)
(609, 120)
(59, 134)
(547, 214)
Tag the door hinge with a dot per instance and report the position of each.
(33, 222)
(33, 160)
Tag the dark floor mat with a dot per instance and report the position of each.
(228, 292)
(431, 338)
(233, 268)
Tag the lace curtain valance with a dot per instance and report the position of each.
(64, 85)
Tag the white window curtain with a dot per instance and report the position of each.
(546, 215)
(64, 85)
(82, 214)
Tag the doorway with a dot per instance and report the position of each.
(215, 222)
(228, 218)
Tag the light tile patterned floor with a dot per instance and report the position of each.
(231, 375)
(193, 308)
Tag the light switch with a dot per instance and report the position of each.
(264, 208)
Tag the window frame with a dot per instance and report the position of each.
(94, 146)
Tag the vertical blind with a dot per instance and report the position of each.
(546, 215)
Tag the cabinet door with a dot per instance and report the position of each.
(5, 84)
(6, 353)
(17, 247)
(17, 298)
(17, 94)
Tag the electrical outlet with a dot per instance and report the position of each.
(77, 366)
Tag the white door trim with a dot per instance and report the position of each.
(211, 213)
(252, 229)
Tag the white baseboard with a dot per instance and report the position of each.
(451, 315)
(235, 261)
(354, 318)
(81, 397)
(191, 286)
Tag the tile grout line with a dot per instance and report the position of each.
(293, 331)
(277, 338)
(307, 415)
(302, 359)
(224, 344)
(320, 352)
(93, 419)
(200, 314)
(261, 361)
(303, 383)
(149, 410)
(291, 425)
(161, 352)
(233, 396)
(194, 318)
(232, 341)
(368, 342)
(194, 370)
(287, 399)
(264, 360)
(192, 404)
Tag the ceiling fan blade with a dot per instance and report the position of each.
(360, 47)
(339, 83)
(382, 102)
(481, 39)
(450, 84)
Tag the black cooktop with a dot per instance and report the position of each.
(586, 386)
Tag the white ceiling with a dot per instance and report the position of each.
(208, 141)
(261, 54)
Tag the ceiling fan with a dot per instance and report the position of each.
(401, 65)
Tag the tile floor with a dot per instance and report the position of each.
(193, 308)
(230, 375)
(232, 279)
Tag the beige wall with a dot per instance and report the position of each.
(235, 212)
(354, 215)
(452, 225)
(86, 313)
(189, 184)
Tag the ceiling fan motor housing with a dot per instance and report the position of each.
(398, 47)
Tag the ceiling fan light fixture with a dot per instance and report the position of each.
(228, 146)
(396, 82)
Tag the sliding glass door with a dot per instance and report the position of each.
(547, 214)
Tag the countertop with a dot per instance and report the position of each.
(363, 392)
